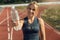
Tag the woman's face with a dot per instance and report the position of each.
(32, 9)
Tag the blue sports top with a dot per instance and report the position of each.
(31, 28)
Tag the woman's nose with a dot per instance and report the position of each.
(31, 10)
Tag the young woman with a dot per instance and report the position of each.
(32, 24)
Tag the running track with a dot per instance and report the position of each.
(51, 33)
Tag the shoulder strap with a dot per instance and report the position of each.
(26, 20)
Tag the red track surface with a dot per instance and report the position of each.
(51, 33)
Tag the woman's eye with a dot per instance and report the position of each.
(33, 9)
(29, 8)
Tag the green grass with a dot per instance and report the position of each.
(52, 17)
(21, 7)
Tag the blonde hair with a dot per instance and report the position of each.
(33, 3)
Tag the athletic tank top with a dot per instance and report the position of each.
(31, 28)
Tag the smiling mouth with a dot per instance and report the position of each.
(33, 13)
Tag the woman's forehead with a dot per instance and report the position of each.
(32, 6)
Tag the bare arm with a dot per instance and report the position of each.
(41, 22)
(21, 23)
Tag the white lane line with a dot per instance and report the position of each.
(4, 20)
(12, 33)
(9, 34)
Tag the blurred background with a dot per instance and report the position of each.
(24, 1)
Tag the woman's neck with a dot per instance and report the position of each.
(30, 20)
